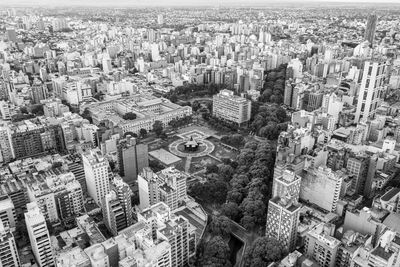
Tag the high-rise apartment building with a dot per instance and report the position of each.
(38, 91)
(232, 108)
(132, 158)
(168, 186)
(113, 213)
(148, 188)
(284, 210)
(8, 248)
(322, 187)
(124, 194)
(7, 212)
(96, 174)
(358, 166)
(172, 186)
(371, 90)
(173, 229)
(39, 236)
(321, 246)
(160, 19)
(371, 28)
(59, 24)
(6, 149)
(117, 208)
(59, 197)
(11, 35)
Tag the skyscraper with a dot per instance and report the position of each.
(96, 174)
(39, 236)
(132, 158)
(370, 29)
(371, 90)
(284, 210)
(160, 19)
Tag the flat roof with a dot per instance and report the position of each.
(390, 194)
(164, 156)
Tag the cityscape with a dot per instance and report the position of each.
(226, 133)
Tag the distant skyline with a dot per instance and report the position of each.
(175, 3)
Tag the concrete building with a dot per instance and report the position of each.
(232, 108)
(7, 212)
(172, 186)
(371, 89)
(284, 210)
(132, 158)
(288, 183)
(39, 236)
(97, 256)
(282, 221)
(59, 197)
(322, 187)
(358, 166)
(148, 188)
(96, 173)
(73, 257)
(114, 215)
(6, 147)
(39, 91)
(176, 230)
(321, 246)
(9, 253)
(371, 28)
(168, 185)
(147, 108)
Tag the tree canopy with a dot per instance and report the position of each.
(129, 116)
(158, 127)
(262, 252)
(216, 253)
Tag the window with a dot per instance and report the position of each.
(370, 70)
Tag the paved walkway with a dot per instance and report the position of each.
(173, 148)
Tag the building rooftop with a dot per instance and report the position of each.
(382, 253)
(393, 222)
(72, 257)
(390, 194)
(164, 156)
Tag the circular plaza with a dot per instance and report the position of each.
(192, 144)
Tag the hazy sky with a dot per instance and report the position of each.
(179, 2)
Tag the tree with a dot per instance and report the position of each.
(131, 134)
(263, 251)
(212, 168)
(220, 226)
(37, 110)
(56, 165)
(86, 115)
(143, 133)
(196, 105)
(129, 116)
(226, 172)
(231, 210)
(158, 128)
(216, 253)
(24, 110)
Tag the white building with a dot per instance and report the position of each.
(9, 253)
(371, 89)
(230, 107)
(39, 236)
(96, 174)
